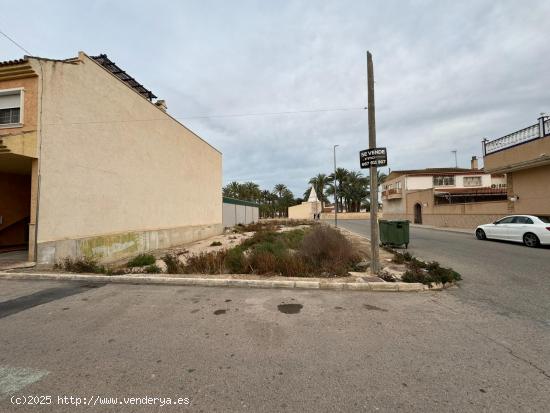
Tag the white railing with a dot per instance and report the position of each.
(547, 127)
(521, 136)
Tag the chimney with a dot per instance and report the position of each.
(474, 163)
(161, 104)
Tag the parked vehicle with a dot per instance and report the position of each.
(531, 230)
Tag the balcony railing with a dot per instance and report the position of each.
(538, 130)
(393, 191)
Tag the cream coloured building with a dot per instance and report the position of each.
(446, 197)
(524, 156)
(90, 165)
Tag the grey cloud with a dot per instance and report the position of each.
(447, 73)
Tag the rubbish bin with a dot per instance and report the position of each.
(394, 232)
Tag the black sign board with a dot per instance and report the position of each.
(373, 157)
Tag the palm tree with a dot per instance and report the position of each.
(279, 189)
(355, 191)
(341, 176)
(232, 190)
(251, 191)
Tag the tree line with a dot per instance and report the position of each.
(274, 203)
(352, 187)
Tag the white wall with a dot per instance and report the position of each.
(419, 182)
(239, 214)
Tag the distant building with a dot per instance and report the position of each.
(307, 209)
(454, 197)
(91, 165)
(524, 156)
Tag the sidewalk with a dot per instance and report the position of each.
(448, 229)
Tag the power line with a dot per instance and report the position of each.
(14, 42)
(233, 115)
(288, 112)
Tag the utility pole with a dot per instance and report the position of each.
(456, 159)
(374, 240)
(335, 190)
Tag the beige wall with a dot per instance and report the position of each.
(350, 215)
(114, 164)
(529, 151)
(304, 211)
(466, 215)
(533, 188)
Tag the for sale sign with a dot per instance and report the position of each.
(373, 157)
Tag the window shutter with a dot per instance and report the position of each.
(10, 101)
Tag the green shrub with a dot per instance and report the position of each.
(153, 269)
(216, 244)
(80, 265)
(263, 261)
(398, 258)
(328, 251)
(141, 260)
(432, 272)
(294, 265)
(173, 264)
(206, 263)
(235, 261)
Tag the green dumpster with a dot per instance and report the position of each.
(394, 232)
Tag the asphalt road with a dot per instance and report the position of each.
(481, 347)
(505, 277)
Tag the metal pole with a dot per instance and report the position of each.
(374, 240)
(335, 191)
(456, 159)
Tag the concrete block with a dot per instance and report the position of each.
(384, 286)
(331, 285)
(358, 286)
(306, 284)
(410, 286)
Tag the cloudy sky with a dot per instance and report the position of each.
(447, 73)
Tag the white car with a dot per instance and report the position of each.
(532, 230)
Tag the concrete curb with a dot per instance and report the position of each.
(220, 282)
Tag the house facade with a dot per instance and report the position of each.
(524, 156)
(445, 197)
(91, 165)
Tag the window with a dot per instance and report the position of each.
(546, 220)
(472, 181)
(444, 180)
(507, 220)
(522, 220)
(10, 106)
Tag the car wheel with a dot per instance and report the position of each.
(480, 234)
(531, 240)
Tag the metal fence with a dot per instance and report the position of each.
(235, 211)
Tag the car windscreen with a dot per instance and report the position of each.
(546, 220)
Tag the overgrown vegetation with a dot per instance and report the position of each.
(424, 272)
(80, 265)
(141, 260)
(153, 269)
(316, 251)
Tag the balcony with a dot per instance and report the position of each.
(526, 148)
(536, 131)
(392, 193)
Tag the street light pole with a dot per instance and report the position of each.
(335, 191)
